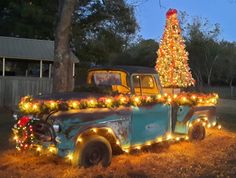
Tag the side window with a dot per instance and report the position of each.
(147, 81)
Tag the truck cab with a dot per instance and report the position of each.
(126, 79)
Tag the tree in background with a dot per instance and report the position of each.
(204, 50)
(172, 62)
(224, 70)
(103, 29)
(141, 53)
(29, 19)
(63, 55)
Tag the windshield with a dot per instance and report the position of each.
(115, 80)
(107, 78)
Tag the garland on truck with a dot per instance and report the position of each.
(29, 105)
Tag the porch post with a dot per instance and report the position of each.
(41, 69)
(3, 66)
(50, 71)
(73, 70)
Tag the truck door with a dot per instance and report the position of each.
(149, 122)
(179, 115)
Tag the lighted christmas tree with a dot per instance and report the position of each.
(172, 62)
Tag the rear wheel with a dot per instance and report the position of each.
(197, 132)
(92, 151)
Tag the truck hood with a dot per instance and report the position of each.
(91, 114)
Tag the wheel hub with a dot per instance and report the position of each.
(197, 132)
(95, 156)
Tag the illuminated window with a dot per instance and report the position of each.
(146, 81)
(107, 78)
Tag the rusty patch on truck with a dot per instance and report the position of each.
(121, 128)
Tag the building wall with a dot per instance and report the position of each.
(13, 88)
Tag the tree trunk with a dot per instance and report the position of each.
(63, 64)
(199, 82)
(210, 71)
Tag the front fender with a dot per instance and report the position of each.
(118, 126)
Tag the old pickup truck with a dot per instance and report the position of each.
(89, 133)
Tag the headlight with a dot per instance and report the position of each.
(15, 116)
(56, 128)
(58, 139)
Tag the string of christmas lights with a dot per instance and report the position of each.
(29, 105)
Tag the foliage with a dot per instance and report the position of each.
(142, 53)
(209, 57)
(103, 29)
(29, 105)
(31, 19)
(225, 67)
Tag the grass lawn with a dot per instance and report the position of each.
(226, 111)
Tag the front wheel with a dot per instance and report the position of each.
(92, 151)
(197, 132)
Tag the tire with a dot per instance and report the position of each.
(92, 151)
(197, 132)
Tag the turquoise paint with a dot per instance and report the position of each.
(149, 122)
(182, 112)
(181, 127)
(65, 146)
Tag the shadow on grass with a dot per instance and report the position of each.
(228, 121)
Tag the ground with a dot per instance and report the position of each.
(213, 157)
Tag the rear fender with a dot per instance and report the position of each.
(204, 114)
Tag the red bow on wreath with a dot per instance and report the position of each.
(23, 121)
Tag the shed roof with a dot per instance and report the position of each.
(25, 48)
